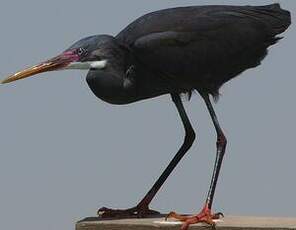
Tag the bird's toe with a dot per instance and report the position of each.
(136, 212)
(205, 216)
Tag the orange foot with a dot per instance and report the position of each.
(205, 216)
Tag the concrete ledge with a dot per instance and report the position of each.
(229, 223)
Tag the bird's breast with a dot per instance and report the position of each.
(109, 87)
(113, 89)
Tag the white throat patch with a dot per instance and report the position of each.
(87, 65)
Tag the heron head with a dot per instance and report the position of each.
(88, 53)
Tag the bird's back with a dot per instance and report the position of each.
(202, 17)
(202, 47)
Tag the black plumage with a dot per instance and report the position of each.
(174, 51)
(199, 47)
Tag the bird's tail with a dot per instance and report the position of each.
(274, 16)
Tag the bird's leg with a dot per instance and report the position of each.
(142, 209)
(206, 216)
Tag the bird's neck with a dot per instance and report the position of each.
(115, 83)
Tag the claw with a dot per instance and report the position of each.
(218, 216)
(102, 210)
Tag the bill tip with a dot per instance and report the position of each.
(2, 82)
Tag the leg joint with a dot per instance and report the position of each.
(221, 141)
(190, 136)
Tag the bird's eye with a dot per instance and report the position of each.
(81, 52)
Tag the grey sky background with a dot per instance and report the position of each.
(64, 153)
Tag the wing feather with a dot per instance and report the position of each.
(205, 45)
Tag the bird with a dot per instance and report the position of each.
(173, 52)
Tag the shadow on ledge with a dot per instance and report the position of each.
(99, 219)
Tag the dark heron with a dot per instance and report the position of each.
(174, 51)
